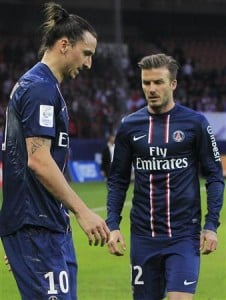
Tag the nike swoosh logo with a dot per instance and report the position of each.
(137, 138)
(189, 282)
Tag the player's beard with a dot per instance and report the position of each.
(70, 73)
(161, 105)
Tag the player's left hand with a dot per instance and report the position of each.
(208, 241)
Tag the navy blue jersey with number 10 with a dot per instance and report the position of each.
(36, 109)
(167, 151)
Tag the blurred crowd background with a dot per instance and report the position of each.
(194, 32)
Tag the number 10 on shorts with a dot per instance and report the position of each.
(63, 282)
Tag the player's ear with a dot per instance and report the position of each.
(64, 44)
(174, 84)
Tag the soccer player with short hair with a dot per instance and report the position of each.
(168, 145)
(34, 218)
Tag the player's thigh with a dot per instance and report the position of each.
(182, 266)
(38, 261)
(147, 270)
(179, 296)
(71, 261)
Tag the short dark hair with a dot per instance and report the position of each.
(58, 23)
(159, 60)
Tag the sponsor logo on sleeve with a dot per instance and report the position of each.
(46, 114)
(215, 149)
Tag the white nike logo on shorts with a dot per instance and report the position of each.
(136, 138)
(189, 282)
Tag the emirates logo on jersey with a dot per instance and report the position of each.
(178, 136)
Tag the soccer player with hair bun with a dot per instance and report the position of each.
(168, 145)
(34, 218)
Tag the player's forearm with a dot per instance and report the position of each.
(48, 173)
(54, 181)
(215, 191)
(115, 203)
(117, 189)
(113, 221)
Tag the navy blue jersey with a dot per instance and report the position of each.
(167, 151)
(36, 109)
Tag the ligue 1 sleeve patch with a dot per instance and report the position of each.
(46, 115)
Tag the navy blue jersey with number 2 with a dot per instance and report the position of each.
(168, 152)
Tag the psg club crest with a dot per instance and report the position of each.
(178, 136)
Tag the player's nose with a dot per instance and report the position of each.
(152, 87)
(88, 63)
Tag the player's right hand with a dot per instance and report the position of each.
(7, 263)
(116, 243)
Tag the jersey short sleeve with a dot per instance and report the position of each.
(38, 110)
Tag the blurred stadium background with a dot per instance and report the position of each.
(193, 31)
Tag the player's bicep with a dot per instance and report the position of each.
(38, 149)
(37, 146)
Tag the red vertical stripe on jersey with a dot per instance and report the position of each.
(167, 184)
(167, 129)
(150, 133)
(150, 136)
(153, 233)
(168, 205)
(167, 181)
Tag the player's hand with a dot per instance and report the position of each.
(208, 241)
(116, 243)
(7, 263)
(94, 226)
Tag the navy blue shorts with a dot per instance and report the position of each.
(159, 266)
(43, 263)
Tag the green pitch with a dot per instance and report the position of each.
(102, 276)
